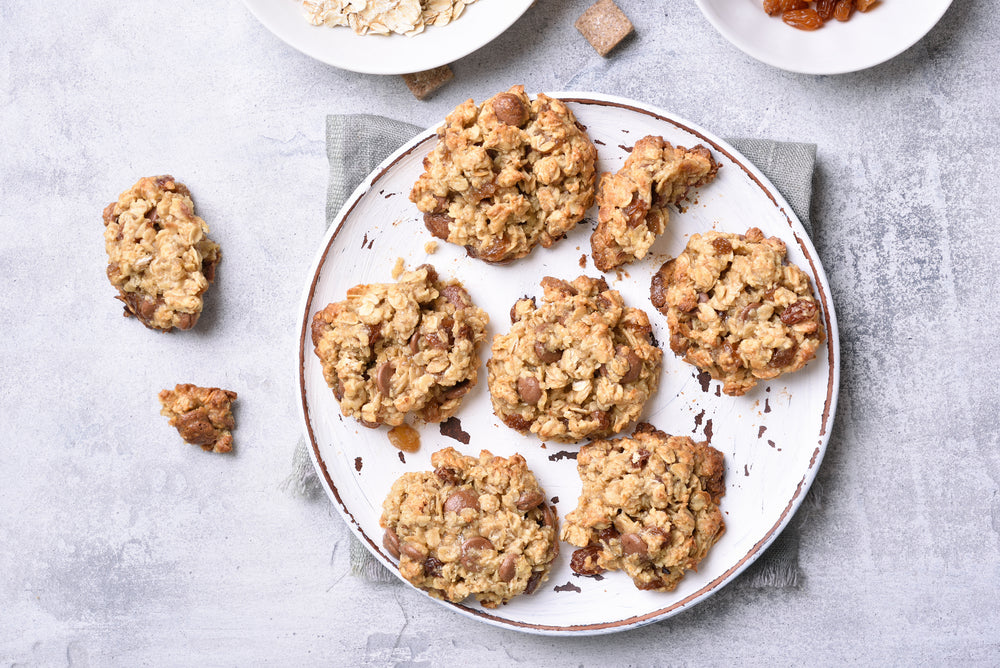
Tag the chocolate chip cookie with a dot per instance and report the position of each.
(202, 415)
(737, 309)
(506, 176)
(159, 255)
(649, 506)
(633, 202)
(579, 366)
(391, 349)
(477, 527)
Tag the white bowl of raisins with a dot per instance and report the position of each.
(823, 36)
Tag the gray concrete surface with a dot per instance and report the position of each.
(120, 546)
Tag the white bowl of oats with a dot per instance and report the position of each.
(387, 36)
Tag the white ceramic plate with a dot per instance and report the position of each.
(394, 54)
(866, 40)
(773, 437)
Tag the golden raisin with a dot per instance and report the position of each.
(843, 10)
(405, 438)
(825, 9)
(772, 7)
(803, 19)
(864, 5)
(792, 5)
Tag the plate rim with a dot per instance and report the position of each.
(829, 412)
(376, 66)
(764, 56)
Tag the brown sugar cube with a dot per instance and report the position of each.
(604, 25)
(422, 84)
(202, 415)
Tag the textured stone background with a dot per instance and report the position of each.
(120, 546)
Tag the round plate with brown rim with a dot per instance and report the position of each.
(773, 437)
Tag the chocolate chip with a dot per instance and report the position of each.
(411, 551)
(608, 535)
(195, 427)
(510, 109)
(471, 550)
(186, 320)
(634, 367)
(533, 581)
(383, 377)
(390, 541)
(529, 390)
(457, 390)
(508, 568)
(548, 516)
(460, 500)
(529, 500)
(632, 543)
(545, 355)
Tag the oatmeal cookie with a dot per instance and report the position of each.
(579, 366)
(472, 526)
(649, 506)
(391, 349)
(633, 203)
(159, 255)
(506, 176)
(737, 309)
(203, 415)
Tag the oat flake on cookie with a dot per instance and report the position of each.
(382, 17)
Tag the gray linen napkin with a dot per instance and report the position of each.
(357, 143)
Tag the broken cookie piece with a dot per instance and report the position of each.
(159, 255)
(202, 415)
(604, 25)
(423, 84)
(633, 202)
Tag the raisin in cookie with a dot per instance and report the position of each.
(391, 349)
(472, 526)
(649, 506)
(202, 415)
(737, 309)
(159, 255)
(579, 366)
(633, 203)
(506, 176)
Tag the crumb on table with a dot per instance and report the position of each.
(398, 268)
(423, 84)
(604, 25)
(431, 247)
(203, 416)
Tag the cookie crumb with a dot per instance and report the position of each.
(398, 268)
(604, 25)
(423, 84)
(203, 416)
(431, 247)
